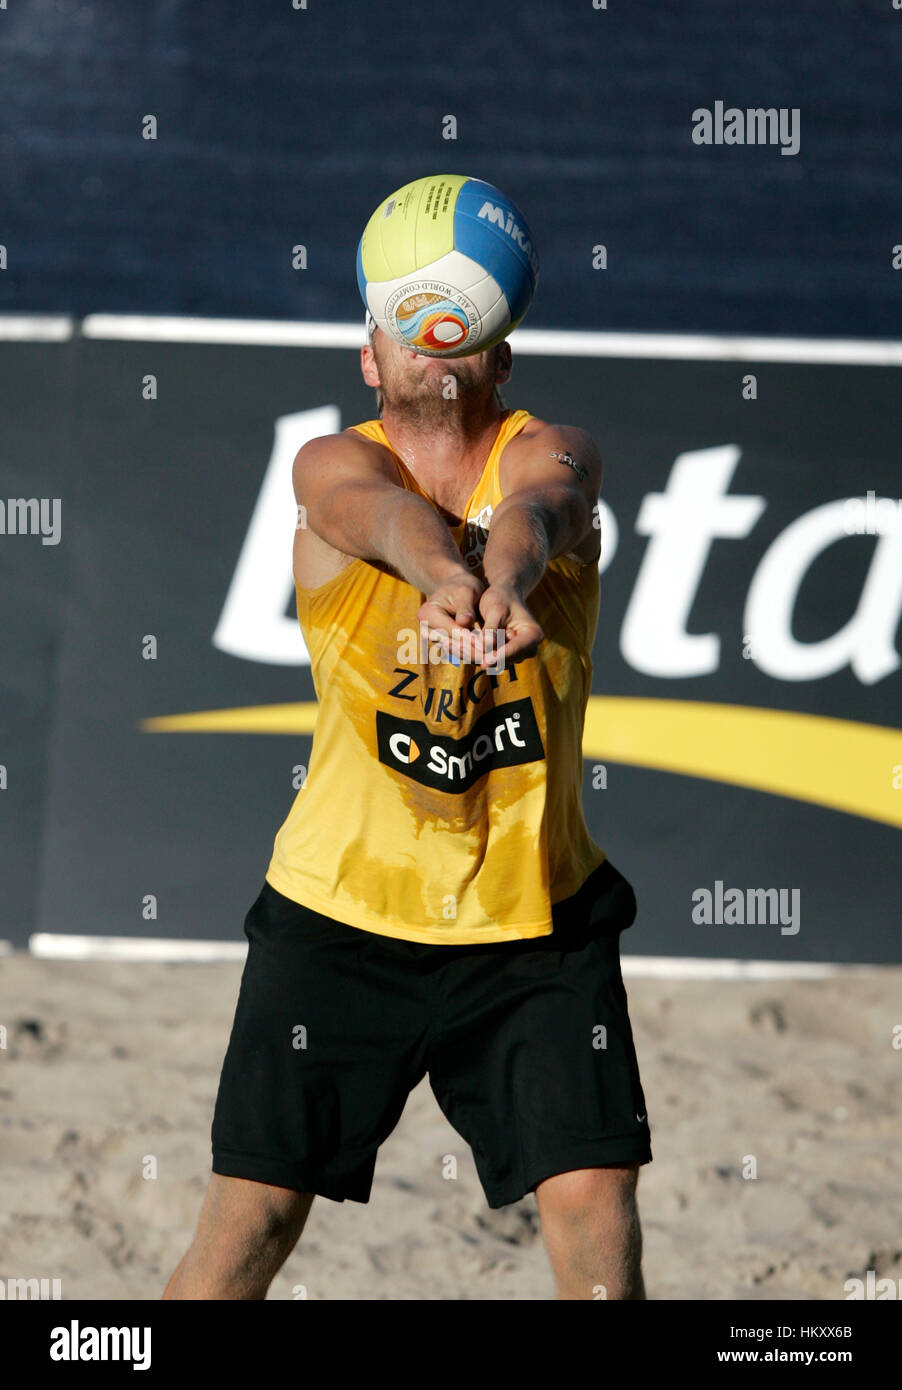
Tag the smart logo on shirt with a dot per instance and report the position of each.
(502, 737)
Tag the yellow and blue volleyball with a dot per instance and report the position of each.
(447, 265)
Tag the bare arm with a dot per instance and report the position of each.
(546, 512)
(354, 501)
(548, 509)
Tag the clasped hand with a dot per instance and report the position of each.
(480, 624)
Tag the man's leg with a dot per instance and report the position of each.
(590, 1223)
(245, 1234)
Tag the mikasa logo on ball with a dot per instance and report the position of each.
(505, 221)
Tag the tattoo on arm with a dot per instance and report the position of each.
(570, 462)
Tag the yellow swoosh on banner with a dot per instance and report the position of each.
(837, 763)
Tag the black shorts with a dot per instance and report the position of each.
(527, 1045)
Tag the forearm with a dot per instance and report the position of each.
(518, 549)
(415, 542)
(525, 535)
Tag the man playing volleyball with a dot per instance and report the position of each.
(435, 904)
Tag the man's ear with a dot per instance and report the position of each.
(504, 363)
(368, 366)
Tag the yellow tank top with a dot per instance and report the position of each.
(442, 803)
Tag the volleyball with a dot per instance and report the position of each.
(447, 265)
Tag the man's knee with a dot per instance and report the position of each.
(248, 1217)
(576, 1196)
(245, 1233)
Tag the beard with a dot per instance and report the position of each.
(421, 396)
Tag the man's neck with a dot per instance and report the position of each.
(445, 452)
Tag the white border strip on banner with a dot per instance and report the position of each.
(703, 968)
(36, 328)
(528, 341)
(54, 946)
(548, 342)
(58, 946)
